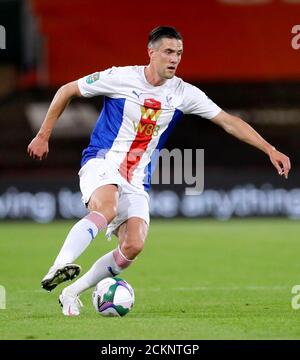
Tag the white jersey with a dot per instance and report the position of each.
(137, 117)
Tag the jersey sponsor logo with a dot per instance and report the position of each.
(145, 130)
(150, 112)
(152, 103)
(93, 77)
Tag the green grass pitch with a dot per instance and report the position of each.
(196, 279)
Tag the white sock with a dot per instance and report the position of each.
(80, 236)
(109, 265)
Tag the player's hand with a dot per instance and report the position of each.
(38, 148)
(281, 162)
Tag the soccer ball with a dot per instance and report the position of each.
(113, 297)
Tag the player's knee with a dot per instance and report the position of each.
(109, 210)
(132, 248)
(112, 209)
(106, 208)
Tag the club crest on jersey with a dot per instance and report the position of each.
(93, 77)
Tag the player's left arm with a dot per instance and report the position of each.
(244, 132)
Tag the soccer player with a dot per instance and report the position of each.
(141, 106)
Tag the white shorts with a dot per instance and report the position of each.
(133, 201)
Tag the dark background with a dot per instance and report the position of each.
(238, 52)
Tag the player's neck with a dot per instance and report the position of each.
(152, 77)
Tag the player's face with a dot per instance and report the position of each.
(165, 57)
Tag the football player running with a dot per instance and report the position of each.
(142, 104)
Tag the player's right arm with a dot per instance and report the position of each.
(39, 146)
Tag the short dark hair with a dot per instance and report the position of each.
(163, 32)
